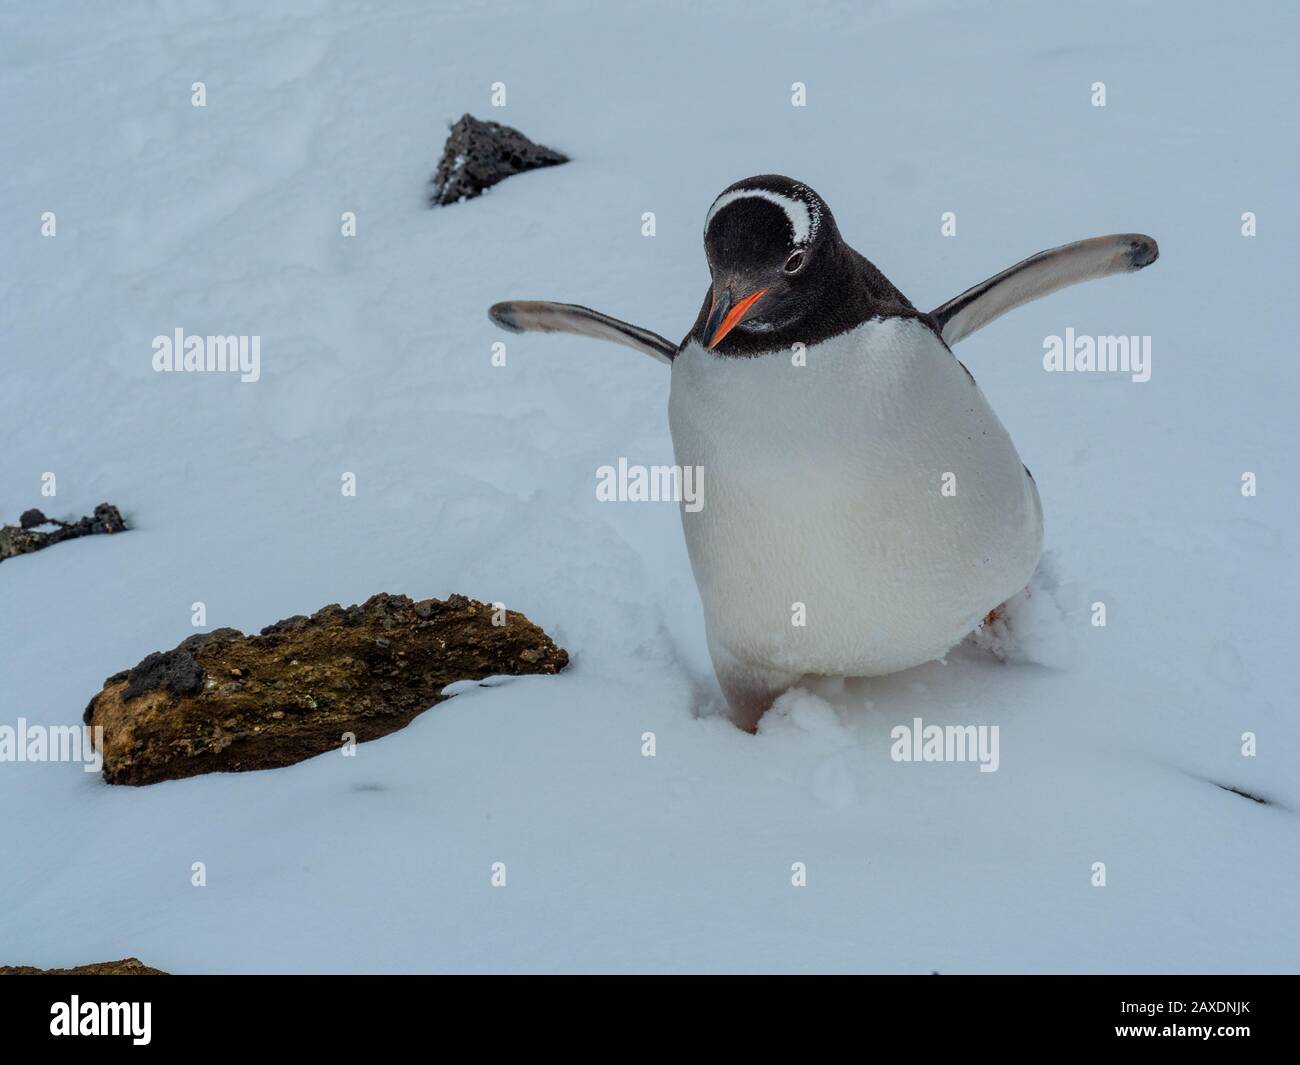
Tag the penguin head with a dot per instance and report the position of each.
(771, 243)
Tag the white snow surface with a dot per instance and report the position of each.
(376, 360)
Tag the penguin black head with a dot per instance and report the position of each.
(772, 244)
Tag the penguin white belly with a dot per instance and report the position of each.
(860, 513)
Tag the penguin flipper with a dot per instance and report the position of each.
(1040, 275)
(524, 316)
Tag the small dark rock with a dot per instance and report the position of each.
(124, 967)
(106, 520)
(25, 537)
(199, 640)
(293, 624)
(479, 154)
(175, 671)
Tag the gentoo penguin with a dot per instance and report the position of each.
(863, 508)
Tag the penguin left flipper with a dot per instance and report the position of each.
(522, 316)
(1040, 275)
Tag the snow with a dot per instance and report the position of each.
(376, 359)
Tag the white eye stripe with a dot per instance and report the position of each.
(801, 220)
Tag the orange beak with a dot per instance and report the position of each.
(724, 319)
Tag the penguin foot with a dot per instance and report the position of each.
(1037, 625)
(994, 634)
(749, 690)
(749, 698)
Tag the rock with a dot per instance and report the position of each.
(303, 683)
(26, 536)
(125, 967)
(174, 671)
(479, 154)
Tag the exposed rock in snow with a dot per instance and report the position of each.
(35, 531)
(122, 967)
(222, 701)
(479, 154)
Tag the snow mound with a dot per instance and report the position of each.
(801, 711)
(1038, 625)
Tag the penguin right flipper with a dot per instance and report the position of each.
(522, 316)
(1040, 275)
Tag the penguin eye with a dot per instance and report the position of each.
(793, 263)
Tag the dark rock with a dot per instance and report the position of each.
(24, 538)
(124, 967)
(106, 520)
(293, 624)
(225, 702)
(479, 154)
(202, 639)
(174, 671)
